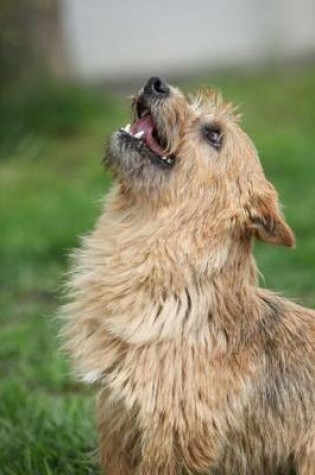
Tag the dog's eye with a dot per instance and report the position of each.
(214, 136)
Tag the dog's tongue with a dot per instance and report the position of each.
(146, 126)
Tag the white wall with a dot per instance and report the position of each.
(109, 38)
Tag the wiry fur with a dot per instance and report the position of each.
(200, 370)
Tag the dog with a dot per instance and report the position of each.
(199, 370)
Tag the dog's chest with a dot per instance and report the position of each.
(185, 392)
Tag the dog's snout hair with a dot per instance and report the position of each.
(199, 370)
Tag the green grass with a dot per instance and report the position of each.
(51, 184)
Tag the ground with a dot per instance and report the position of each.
(51, 185)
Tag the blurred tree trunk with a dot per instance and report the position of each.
(48, 32)
(31, 40)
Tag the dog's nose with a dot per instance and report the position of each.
(157, 86)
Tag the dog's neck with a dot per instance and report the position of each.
(182, 236)
(174, 268)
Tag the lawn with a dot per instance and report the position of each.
(51, 185)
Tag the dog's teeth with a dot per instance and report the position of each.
(140, 134)
(168, 160)
(127, 128)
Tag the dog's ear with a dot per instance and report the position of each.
(265, 221)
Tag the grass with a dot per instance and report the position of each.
(51, 185)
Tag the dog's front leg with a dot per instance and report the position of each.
(119, 450)
(113, 460)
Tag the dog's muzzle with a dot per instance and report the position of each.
(146, 129)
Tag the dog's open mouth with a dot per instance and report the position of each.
(145, 130)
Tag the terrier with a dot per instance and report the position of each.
(199, 370)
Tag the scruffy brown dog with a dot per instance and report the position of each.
(200, 371)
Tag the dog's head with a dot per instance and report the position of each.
(191, 154)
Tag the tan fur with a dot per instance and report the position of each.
(200, 370)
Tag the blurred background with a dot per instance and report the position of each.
(66, 67)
